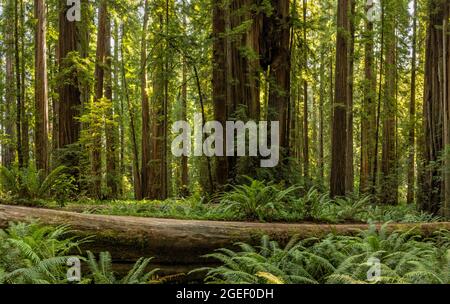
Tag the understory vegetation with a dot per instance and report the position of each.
(402, 257)
(35, 254)
(253, 201)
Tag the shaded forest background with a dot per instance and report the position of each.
(362, 98)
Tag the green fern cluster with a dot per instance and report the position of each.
(102, 271)
(32, 254)
(29, 183)
(258, 200)
(403, 258)
(35, 254)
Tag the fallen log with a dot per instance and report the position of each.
(178, 242)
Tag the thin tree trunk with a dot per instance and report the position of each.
(138, 193)
(305, 97)
(110, 126)
(368, 116)
(99, 94)
(380, 92)
(321, 159)
(145, 146)
(445, 210)
(41, 89)
(25, 116)
(9, 148)
(184, 159)
(412, 113)
(19, 108)
(350, 177)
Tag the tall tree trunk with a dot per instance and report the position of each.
(145, 145)
(350, 178)
(9, 155)
(184, 191)
(389, 183)
(25, 114)
(219, 84)
(110, 126)
(445, 209)
(157, 158)
(305, 96)
(434, 109)
(321, 160)
(120, 108)
(412, 113)
(41, 89)
(100, 64)
(69, 93)
(19, 108)
(280, 69)
(138, 193)
(339, 150)
(368, 115)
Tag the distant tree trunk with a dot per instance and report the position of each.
(184, 159)
(339, 137)
(100, 65)
(9, 153)
(368, 115)
(166, 72)
(350, 178)
(445, 209)
(110, 126)
(145, 146)
(119, 101)
(19, 107)
(41, 89)
(138, 193)
(305, 96)
(321, 160)
(219, 84)
(389, 183)
(412, 113)
(157, 158)
(434, 109)
(24, 111)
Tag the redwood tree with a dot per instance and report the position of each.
(339, 130)
(41, 88)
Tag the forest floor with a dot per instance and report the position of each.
(312, 211)
(181, 244)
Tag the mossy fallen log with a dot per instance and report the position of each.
(179, 242)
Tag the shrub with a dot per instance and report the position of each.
(404, 258)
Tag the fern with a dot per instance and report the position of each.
(102, 272)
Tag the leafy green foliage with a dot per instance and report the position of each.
(404, 258)
(102, 273)
(256, 201)
(35, 254)
(32, 254)
(29, 184)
